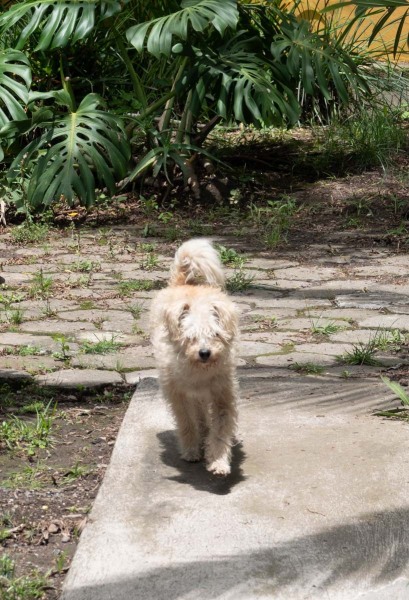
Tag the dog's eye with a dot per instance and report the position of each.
(184, 312)
(215, 313)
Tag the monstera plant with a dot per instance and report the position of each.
(85, 86)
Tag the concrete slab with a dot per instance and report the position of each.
(316, 505)
(79, 379)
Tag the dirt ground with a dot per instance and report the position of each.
(46, 494)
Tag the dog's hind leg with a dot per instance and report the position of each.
(188, 423)
(222, 427)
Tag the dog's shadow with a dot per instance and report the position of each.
(195, 474)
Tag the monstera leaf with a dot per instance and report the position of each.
(57, 21)
(15, 81)
(194, 15)
(77, 149)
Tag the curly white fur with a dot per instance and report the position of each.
(195, 326)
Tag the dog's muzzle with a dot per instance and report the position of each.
(204, 354)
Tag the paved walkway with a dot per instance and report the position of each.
(83, 302)
(316, 504)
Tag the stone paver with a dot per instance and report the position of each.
(71, 378)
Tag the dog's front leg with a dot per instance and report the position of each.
(222, 426)
(188, 424)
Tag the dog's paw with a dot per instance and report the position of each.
(191, 455)
(219, 467)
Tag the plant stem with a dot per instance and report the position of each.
(183, 121)
(136, 82)
(157, 104)
(66, 84)
(165, 118)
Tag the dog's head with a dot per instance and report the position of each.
(203, 329)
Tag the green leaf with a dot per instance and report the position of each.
(243, 84)
(159, 157)
(15, 81)
(397, 389)
(58, 22)
(196, 15)
(76, 149)
(386, 9)
(317, 62)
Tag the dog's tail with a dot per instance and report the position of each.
(197, 262)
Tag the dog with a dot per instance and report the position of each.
(194, 333)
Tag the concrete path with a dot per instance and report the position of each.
(317, 503)
(316, 506)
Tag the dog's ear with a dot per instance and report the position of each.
(227, 316)
(173, 317)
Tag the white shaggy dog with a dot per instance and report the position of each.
(194, 329)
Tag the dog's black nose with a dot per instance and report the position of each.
(204, 354)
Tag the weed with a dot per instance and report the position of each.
(274, 219)
(19, 434)
(87, 305)
(230, 257)
(30, 351)
(47, 310)
(149, 262)
(400, 412)
(287, 347)
(29, 478)
(6, 566)
(29, 232)
(327, 329)
(401, 230)
(98, 322)
(8, 299)
(25, 350)
(353, 223)
(85, 266)
(126, 288)
(265, 322)
(61, 561)
(41, 286)
(362, 353)
(308, 368)
(368, 138)
(392, 340)
(397, 389)
(29, 587)
(100, 347)
(172, 233)
(63, 353)
(136, 310)
(198, 228)
(31, 408)
(239, 281)
(147, 247)
(76, 472)
(16, 316)
(137, 330)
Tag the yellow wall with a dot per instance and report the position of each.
(384, 41)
